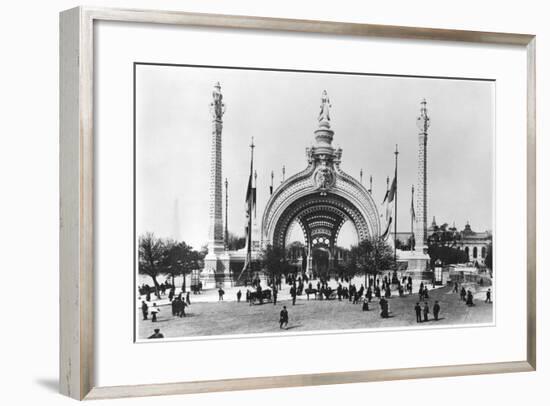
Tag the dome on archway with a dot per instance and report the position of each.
(321, 198)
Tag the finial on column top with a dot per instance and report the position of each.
(423, 121)
(217, 106)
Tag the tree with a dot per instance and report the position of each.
(400, 245)
(370, 256)
(235, 242)
(443, 245)
(151, 257)
(180, 259)
(296, 255)
(446, 254)
(274, 260)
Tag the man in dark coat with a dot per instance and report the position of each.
(283, 320)
(220, 294)
(470, 298)
(426, 311)
(384, 308)
(239, 294)
(418, 311)
(156, 334)
(181, 308)
(274, 295)
(437, 309)
(175, 306)
(144, 309)
(463, 294)
(293, 294)
(369, 293)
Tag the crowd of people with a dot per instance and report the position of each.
(380, 289)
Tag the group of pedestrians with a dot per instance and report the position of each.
(145, 310)
(178, 305)
(425, 311)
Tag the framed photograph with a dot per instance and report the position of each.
(252, 202)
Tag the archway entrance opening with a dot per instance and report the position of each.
(346, 239)
(296, 248)
(320, 262)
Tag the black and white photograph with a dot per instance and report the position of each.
(278, 202)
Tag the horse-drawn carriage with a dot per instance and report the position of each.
(260, 297)
(323, 293)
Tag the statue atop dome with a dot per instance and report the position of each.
(324, 114)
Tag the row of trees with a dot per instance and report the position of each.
(366, 258)
(165, 256)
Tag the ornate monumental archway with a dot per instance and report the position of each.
(321, 198)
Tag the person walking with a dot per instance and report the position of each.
(220, 294)
(384, 308)
(469, 298)
(182, 306)
(154, 311)
(283, 319)
(175, 306)
(418, 311)
(239, 294)
(365, 304)
(293, 295)
(274, 296)
(436, 310)
(426, 311)
(144, 309)
(488, 296)
(463, 294)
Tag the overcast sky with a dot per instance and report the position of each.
(370, 114)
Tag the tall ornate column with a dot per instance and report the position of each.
(216, 265)
(421, 226)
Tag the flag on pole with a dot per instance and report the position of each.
(250, 202)
(413, 214)
(390, 193)
(389, 202)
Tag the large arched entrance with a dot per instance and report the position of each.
(320, 199)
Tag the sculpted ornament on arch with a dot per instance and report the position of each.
(324, 178)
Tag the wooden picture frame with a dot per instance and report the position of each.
(77, 200)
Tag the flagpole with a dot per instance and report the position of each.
(249, 250)
(413, 214)
(395, 215)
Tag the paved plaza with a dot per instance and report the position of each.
(207, 316)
